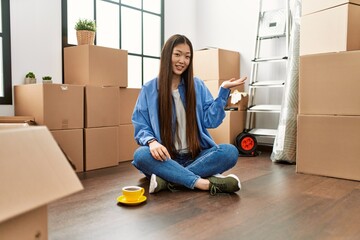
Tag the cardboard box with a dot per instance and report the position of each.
(329, 146)
(127, 143)
(242, 104)
(214, 86)
(95, 65)
(232, 125)
(17, 119)
(216, 63)
(311, 6)
(329, 83)
(101, 147)
(128, 98)
(333, 30)
(30, 179)
(101, 106)
(71, 142)
(58, 106)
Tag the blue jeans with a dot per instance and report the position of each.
(186, 171)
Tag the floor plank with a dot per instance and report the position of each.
(275, 203)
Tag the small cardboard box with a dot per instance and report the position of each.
(232, 125)
(128, 98)
(216, 63)
(95, 65)
(71, 142)
(329, 146)
(311, 6)
(101, 147)
(58, 106)
(101, 106)
(241, 104)
(30, 179)
(214, 86)
(329, 83)
(127, 143)
(333, 30)
(17, 119)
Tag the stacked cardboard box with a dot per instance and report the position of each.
(103, 71)
(31, 178)
(214, 66)
(60, 107)
(328, 140)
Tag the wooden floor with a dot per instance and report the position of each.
(274, 203)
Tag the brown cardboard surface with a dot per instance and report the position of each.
(17, 119)
(332, 30)
(30, 225)
(95, 65)
(329, 146)
(127, 143)
(329, 83)
(232, 125)
(101, 106)
(311, 6)
(71, 142)
(214, 85)
(58, 106)
(216, 63)
(242, 104)
(34, 176)
(101, 147)
(128, 98)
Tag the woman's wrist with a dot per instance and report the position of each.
(150, 141)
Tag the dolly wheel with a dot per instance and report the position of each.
(247, 143)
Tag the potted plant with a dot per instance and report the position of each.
(47, 79)
(85, 31)
(30, 78)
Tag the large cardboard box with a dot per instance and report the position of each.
(329, 83)
(101, 147)
(311, 6)
(128, 98)
(95, 65)
(30, 179)
(329, 146)
(333, 30)
(216, 63)
(58, 106)
(101, 106)
(127, 143)
(71, 142)
(232, 125)
(214, 86)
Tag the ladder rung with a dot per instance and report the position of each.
(263, 132)
(265, 108)
(272, 59)
(263, 84)
(271, 36)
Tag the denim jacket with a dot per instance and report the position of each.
(209, 112)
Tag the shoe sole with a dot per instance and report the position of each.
(153, 183)
(230, 175)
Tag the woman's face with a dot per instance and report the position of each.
(180, 58)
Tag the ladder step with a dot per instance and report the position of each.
(265, 108)
(271, 36)
(263, 132)
(272, 59)
(263, 84)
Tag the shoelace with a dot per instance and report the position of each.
(214, 189)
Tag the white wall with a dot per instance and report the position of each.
(35, 42)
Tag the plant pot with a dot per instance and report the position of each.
(30, 80)
(85, 37)
(47, 81)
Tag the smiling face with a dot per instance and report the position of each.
(180, 58)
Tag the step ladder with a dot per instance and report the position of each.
(272, 26)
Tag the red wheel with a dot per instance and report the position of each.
(246, 143)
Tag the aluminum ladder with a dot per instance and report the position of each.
(272, 25)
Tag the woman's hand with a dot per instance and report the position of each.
(158, 151)
(233, 82)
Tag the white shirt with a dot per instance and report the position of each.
(180, 140)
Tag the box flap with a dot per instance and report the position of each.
(311, 6)
(33, 171)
